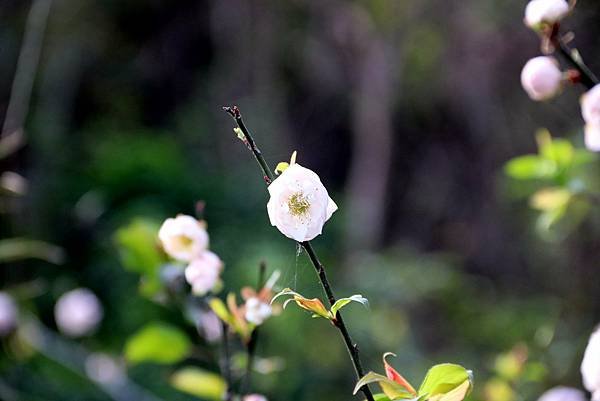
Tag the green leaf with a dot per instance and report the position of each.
(530, 167)
(392, 389)
(200, 383)
(157, 342)
(137, 245)
(139, 252)
(340, 303)
(560, 151)
(550, 199)
(381, 397)
(14, 249)
(219, 308)
(443, 379)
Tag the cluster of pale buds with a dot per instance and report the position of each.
(185, 239)
(542, 77)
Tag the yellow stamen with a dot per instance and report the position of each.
(298, 204)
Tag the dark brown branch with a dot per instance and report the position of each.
(319, 269)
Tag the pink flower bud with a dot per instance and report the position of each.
(254, 397)
(563, 394)
(590, 106)
(8, 314)
(78, 312)
(541, 78)
(539, 12)
(590, 366)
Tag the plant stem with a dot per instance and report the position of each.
(320, 270)
(588, 79)
(251, 345)
(226, 362)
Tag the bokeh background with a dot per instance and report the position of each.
(408, 110)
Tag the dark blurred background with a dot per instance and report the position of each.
(406, 109)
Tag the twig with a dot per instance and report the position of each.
(587, 78)
(320, 270)
(27, 64)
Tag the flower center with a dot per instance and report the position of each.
(183, 242)
(298, 204)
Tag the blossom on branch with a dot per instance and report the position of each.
(539, 12)
(299, 205)
(203, 272)
(542, 78)
(184, 238)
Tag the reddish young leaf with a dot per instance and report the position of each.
(393, 374)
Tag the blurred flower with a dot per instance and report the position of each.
(590, 106)
(183, 237)
(203, 273)
(539, 12)
(78, 312)
(8, 314)
(541, 78)
(254, 397)
(590, 366)
(563, 394)
(257, 311)
(210, 326)
(299, 205)
(102, 368)
(592, 137)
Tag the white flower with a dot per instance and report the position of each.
(254, 397)
(590, 366)
(299, 205)
(78, 312)
(541, 78)
(592, 137)
(563, 394)
(257, 311)
(8, 314)
(183, 238)
(590, 106)
(538, 12)
(203, 273)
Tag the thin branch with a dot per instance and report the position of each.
(588, 79)
(20, 94)
(320, 270)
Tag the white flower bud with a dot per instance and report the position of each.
(257, 311)
(299, 205)
(8, 314)
(183, 238)
(254, 397)
(592, 137)
(539, 12)
(563, 394)
(78, 312)
(541, 78)
(590, 106)
(203, 273)
(590, 366)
